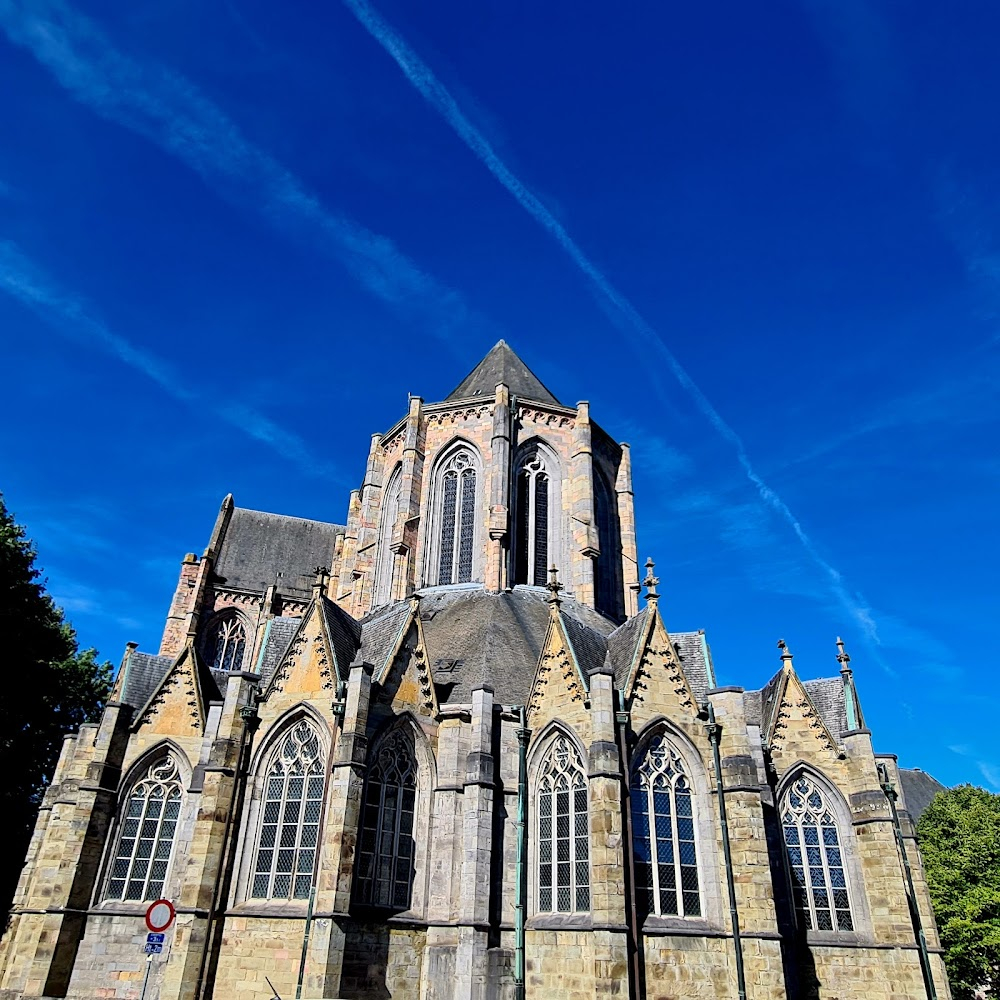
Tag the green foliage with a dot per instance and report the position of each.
(959, 836)
(50, 688)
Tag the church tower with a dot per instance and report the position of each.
(492, 487)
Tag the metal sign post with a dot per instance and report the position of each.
(159, 917)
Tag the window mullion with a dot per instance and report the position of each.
(654, 847)
(678, 873)
(531, 528)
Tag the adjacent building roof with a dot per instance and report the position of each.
(503, 365)
(260, 549)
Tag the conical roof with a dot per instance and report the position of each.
(503, 365)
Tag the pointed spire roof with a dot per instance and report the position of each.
(503, 365)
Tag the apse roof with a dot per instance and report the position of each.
(503, 365)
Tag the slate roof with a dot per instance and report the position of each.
(143, 673)
(502, 365)
(380, 631)
(919, 789)
(345, 635)
(474, 637)
(259, 549)
(622, 645)
(277, 639)
(827, 694)
(697, 662)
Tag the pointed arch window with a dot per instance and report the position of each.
(289, 828)
(563, 832)
(815, 858)
(226, 642)
(390, 514)
(457, 518)
(608, 565)
(663, 841)
(385, 874)
(146, 835)
(533, 554)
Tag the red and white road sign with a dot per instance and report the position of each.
(160, 915)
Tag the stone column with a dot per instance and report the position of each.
(584, 544)
(410, 497)
(499, 484)
(606, 843)
(371, 499)
(626, 525)
(325, 959)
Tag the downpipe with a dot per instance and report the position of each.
(521, 870)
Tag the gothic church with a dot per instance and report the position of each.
(450, 750)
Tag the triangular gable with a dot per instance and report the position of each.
(657, 676)
(177, 704)
(793, 710)
(558, 663)
(407, 683)
(501, 364)
(309, 664)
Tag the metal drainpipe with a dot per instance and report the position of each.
(338, 714)
(911, 896)
(251, 722)
(639, 986)
(714, 731)
(521, 899)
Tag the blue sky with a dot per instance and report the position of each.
(763, 241)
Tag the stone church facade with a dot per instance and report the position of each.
(406, 757)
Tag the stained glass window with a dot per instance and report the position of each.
(385, 871)
(531, 556)
(226, 643)
(146, 836)
(289, 826)
(608, 566)
(663, 841)
(563, 832)
(458, 519)
(815, 858)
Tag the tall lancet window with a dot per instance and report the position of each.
(385, 872)
(815, 858)
(663, 841)
(226, 642)
(289, 829)
(608, 567)
(384, 557)
(146, 834)
(563, 832)
(533, 554)
(458, 518)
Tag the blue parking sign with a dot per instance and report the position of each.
(155, 938)
(153, 949)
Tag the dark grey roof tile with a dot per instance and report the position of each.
(919, 789)
(277, 638)
(345, 634)
(623, 643)
(144, 672)
(502, 365)
(827, 694)
(380, 632)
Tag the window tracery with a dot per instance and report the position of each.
(458, 487)
(390, 514)
(533, 537)
(146, 835)
(386, 854)
(815, 858)
(563, 832)
(664, 847)
(289, 825)
(226, 642)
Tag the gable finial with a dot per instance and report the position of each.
(786, 655)
(553, 587)
(842, 658)
(651, 582)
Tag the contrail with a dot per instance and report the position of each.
(619, 309)
(170, 111)
(27, 283)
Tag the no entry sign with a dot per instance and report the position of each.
(160, 915)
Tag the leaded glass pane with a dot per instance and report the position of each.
(540, 541)
(467, 526)
(661, 793)
(147, 832)
(226, 643)
(819, 884)
(449, 501)
(295, 766)
(567, 840)
(387, 846)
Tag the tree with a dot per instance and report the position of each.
(50, 688)
(959, 836)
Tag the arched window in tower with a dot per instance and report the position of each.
(563, 832)
(457, 518)
(385, 870)
(815, 858)
(533, 553)
(608, 566)
(146, 833)
(663, 842)
(384, 557)
(226, 642)
(289, 819)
